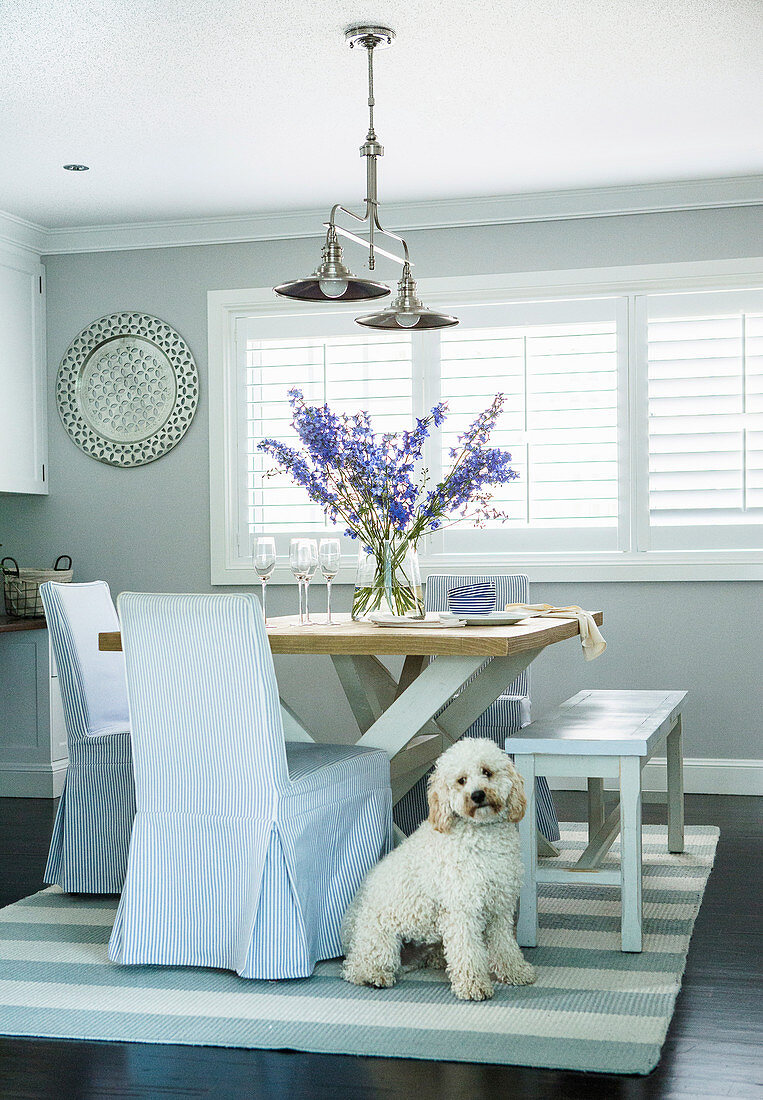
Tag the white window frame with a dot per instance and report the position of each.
(227, 307)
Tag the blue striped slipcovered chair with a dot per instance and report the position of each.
(509, 713)
(245, 851)
(91, 834)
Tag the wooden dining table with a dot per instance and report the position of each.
(448, 679)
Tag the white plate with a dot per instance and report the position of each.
(492, 618)
(430, 622)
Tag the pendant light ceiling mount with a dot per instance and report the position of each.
(359, 34)
(332, 281)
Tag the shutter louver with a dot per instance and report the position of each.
(559, 421)
(705, 392)
(349, 373)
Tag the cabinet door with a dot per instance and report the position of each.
(23, 433)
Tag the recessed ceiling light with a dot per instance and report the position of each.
(77, 167)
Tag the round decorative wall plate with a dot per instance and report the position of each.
(127, 389)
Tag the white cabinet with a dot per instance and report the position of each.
(33, 749)
(23, 427)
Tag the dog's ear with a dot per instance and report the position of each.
(440, 815)
(517, 801)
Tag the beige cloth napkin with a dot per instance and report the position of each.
(590, 635)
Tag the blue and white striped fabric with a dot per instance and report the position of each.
(472, 599)
(245, 852)
(509, 713)
(91, 834)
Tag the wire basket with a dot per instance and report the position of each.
(22, 586)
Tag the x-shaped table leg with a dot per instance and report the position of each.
(400, 717)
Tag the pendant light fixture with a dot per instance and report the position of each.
(332, 281)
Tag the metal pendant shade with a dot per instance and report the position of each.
(332, 281)
(407, 310)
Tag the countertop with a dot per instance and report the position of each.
(8, 624)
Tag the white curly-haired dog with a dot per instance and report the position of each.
(452, 886)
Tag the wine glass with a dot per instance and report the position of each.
(264, 562)
(311, 552)
(299, 557)
(329, 553)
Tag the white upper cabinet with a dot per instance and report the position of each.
(23, 419)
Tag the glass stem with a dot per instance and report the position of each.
(307, 609)
(328, 603)
(264, 605)
(301, 613)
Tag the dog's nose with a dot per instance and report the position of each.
(478, 797)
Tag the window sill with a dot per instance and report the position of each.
(591, 568)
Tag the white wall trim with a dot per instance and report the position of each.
(19, 780)
(594, 202)
(702, 775)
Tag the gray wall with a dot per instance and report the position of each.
(148, 528)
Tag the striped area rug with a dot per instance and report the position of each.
(592, 1008)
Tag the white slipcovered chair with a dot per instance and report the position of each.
(91, 834)
(245, 851)
(510, 712)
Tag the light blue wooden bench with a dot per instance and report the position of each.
(600, 735)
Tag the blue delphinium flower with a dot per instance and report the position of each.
(375, 482)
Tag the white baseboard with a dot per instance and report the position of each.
(702, 775)
(32, 780)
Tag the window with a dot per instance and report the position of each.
(634, 417)
(557, 362)
(348, 372)
(705, 370)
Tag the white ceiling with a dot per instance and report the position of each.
(205, 108)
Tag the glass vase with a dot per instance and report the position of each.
(389, 582)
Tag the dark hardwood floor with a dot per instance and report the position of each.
(713, 1048)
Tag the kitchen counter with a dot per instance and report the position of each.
(7, 624)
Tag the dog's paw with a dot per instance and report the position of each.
(518, 974)
(379, 979)
(382, 979)
(435, 960)
(472, 987)
(352, 974)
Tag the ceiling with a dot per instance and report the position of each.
(209, 108)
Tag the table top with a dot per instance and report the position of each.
(603, 723)
(363, 639)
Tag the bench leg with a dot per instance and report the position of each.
(596, 814)
(675, 760)
(527, 923)
(546, 850)
(630, 852)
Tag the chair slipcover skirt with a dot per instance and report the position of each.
(91, 833)
(245, 852)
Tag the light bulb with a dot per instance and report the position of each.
(333, 288)
(407, 320)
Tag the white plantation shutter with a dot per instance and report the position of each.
(350, 373)
(560, 420)
(754, 411)
(634, 420)
(705, 405)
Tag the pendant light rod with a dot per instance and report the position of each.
(370, 38)
(332, 280)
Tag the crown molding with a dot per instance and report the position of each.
(595, 202)
(21, 237)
